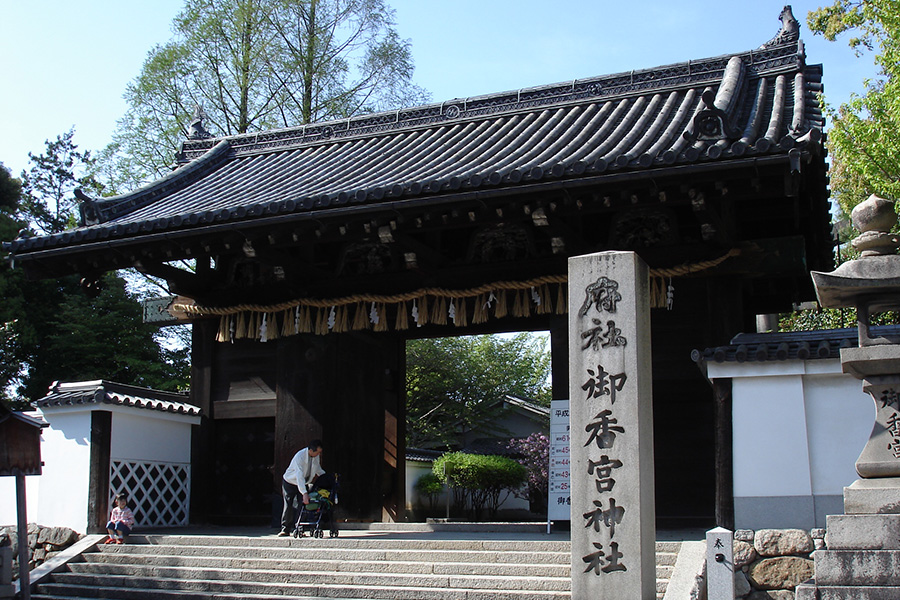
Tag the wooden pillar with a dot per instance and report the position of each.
(725, 293)
(724, 454)
(559, 357)
(203, 340)
(98, 486)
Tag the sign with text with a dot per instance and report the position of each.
(558, 497)
(611, 418)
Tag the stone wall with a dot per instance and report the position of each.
(43, 543)
(770, 563)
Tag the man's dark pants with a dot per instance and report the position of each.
(290, 513)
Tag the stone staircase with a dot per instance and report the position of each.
(386, 566)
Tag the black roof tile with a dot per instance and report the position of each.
(761, 102)
(793, 345)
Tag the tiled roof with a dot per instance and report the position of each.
(761, 103)
(795, 345)
(422, 455)
(542, 412)
(106, 392)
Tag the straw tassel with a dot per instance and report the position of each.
(544, 307)
(402, 322)
(341, 319)
(439, 311)
(500, 309)
(562, 306)
(361, 318)
(240, 328)
(381, 310)
(479, 312)
(304, 320)
(460, 318)
(521, 304)
(223, 335)
(274, 329)
(287, 322)
(423, 311)
(321, 321)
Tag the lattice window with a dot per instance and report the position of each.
(158, 492)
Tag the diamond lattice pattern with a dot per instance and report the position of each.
(159, 492)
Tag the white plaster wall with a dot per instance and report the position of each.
(8, 508)
(771, 451)
(839, 417)
(142, 435)
(66, 452)
(798, 429)
(414, 470)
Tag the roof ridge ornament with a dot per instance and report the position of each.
(790, 29)
(711, 123)
(196, 130)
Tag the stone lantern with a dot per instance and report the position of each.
(868, 533)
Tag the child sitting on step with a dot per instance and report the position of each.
(120, 521)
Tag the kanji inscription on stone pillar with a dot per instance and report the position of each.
(611, 420)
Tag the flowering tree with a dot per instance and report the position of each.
(534, 454)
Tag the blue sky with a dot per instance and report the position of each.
(67, 63)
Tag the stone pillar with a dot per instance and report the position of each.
(720, 564)
(611, 416)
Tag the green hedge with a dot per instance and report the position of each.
(482, 479)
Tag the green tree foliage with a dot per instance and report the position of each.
(864, 139)
(10, 192)
(429, 486)
(485, 480)
(48, 202)
(259, 64)
(49, 329)
(453, 384)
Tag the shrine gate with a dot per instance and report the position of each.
(321, 249)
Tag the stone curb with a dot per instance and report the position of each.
(689, 572)
(42, 571)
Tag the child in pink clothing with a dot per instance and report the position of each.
(120, 521)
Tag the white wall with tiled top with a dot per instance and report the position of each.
(798, 428)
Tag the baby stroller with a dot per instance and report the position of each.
(318, 515)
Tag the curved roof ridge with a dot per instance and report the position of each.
(100, 210)
(603, 87)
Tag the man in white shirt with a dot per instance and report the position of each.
(301, 473)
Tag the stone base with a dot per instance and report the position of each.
(863, 532)
(862, 559)
(7, 591)
(809, 591)
(873, 496)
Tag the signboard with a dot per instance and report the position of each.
(162, 312)
(558, 498)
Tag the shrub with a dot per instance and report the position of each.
(429, 485)
(534, 454)
(481, 479)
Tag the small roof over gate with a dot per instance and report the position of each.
(102, 392)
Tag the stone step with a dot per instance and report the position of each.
(858, 567)
(842, 592)
(97, 561)
(246, 567)
(371, 555)
(356, 543)
(250, 580)
(200, 590)
(94, 562)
